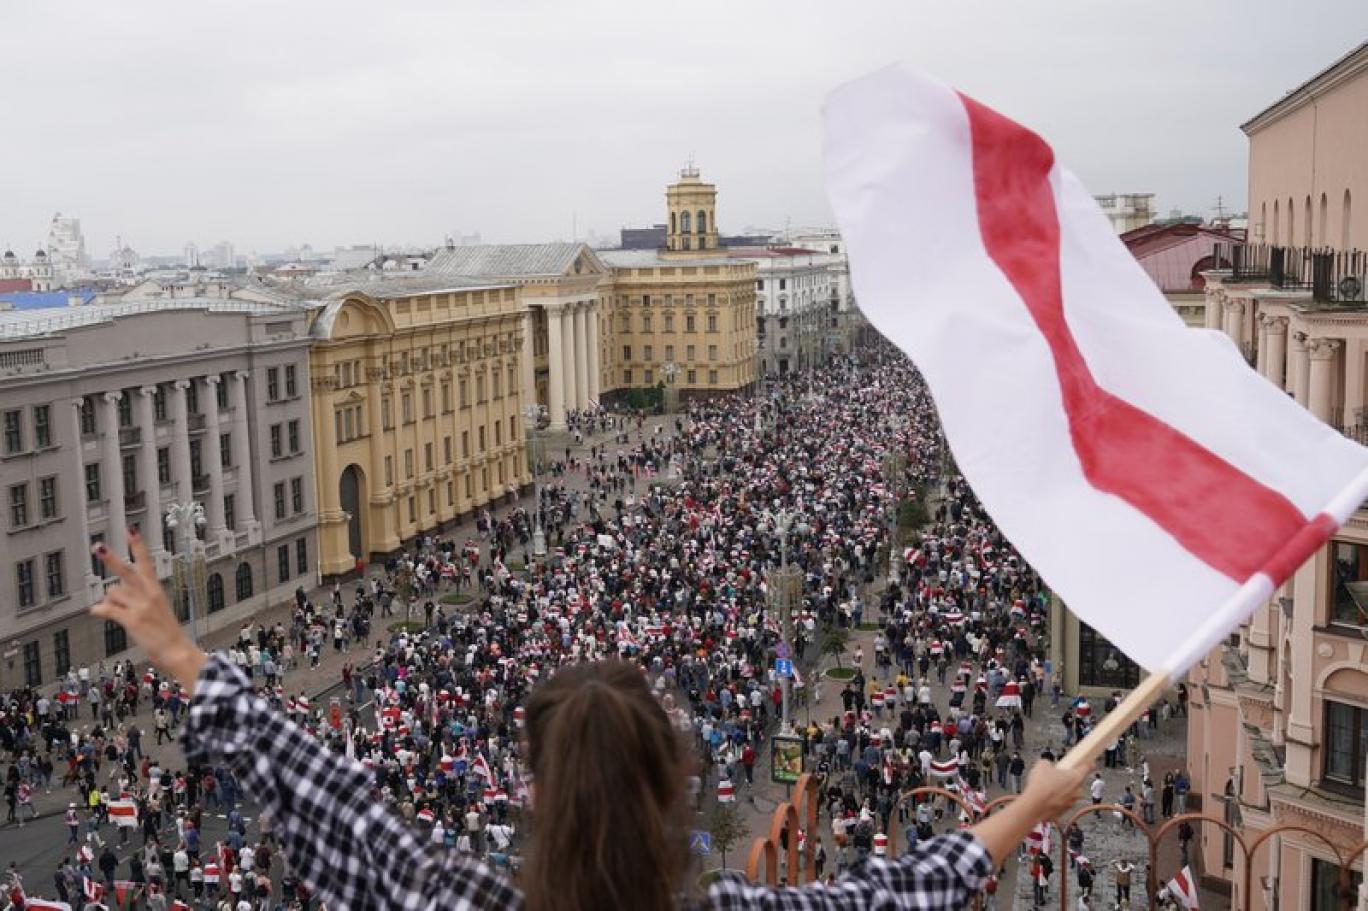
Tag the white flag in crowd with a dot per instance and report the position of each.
(1156, 482)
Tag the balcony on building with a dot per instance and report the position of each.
(1336, 279)
(130, 436)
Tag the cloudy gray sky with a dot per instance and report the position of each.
(282, 122)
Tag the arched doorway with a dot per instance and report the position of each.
(352, 495)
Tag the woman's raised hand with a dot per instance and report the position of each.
(138, 603)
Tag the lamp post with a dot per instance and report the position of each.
(183, 517)
(533, 414)
(783, 586)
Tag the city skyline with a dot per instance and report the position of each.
(540, 124)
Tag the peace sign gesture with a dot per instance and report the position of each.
(138, 603)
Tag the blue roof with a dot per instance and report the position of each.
(44, 300)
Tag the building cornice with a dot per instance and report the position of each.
(1342, 70)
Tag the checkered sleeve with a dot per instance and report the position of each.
(344, 844)
(942, 873)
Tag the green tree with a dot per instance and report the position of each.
(727, 828)
(834, 639)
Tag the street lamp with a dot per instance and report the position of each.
(784, 588)
(534, 413)
(187, 515)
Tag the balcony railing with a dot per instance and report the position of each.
(1338, 277)
(135, 501)
(200, 482)
(196, 421)
(130, 436)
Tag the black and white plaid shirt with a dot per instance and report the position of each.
(356, 854)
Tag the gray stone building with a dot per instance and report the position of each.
(110, 414)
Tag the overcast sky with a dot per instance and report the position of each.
(283, 122)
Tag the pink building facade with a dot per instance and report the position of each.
(1278, 730)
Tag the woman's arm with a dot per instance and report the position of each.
(342, 843)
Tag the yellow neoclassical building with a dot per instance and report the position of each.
(417, 386)
(688, 305)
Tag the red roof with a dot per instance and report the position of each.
(1174, 255)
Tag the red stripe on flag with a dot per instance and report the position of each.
(1222, 516)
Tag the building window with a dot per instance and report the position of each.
(115, 639)
(279, 492)
(61, 652)
(291, 381)
(1325, 894)
(297, 495)
(1349, 584)
(47, 497)
(97, 567)
(648, 376)
(688, 322)
(301, 556)
(192, 398)
(19, 505)
(645, 322)
(406, 407)
(23, 579)
(230, 512)
(244, 581)
(691, 377)
(412, 509)
(129, 462)
(689, 353)
(164, 465)
(33, 664)
(427, 403)
(14, 431)
(92, 482)
(42, 425)
(480, 437)
(221, 394)
(272, 384)
(1346, 745)
(1100, 664)
(627, 377)
(159, 403)
(88, 419)
(54, 565)
(712, 322)
(480, 389)
(446, 397)
(226, 450)
(283, 562)
(214, 590)
(446, 449)
(294, 437)
(389, 471)
(427, 456)
(125, 410)
(712, 352)
(386, 417)
(432, 500)
(712, 377)
(408, 463)
(196, 464)
(451, 493)
(464, 392)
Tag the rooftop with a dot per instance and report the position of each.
(1347, 66)
(15, 324)
(391, 287)
(506, 260)
(646, 259)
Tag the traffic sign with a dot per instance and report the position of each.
(784, 667)
(700, 842)
(782, 650)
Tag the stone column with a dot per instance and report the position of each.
(83, 510)
(244, 504)
(1298, 368)
(555, 351)
(1261, 331)
(1322, 352)
(582, 356)
(1353, 382)
(180, 442)
(147, 420)
(595, 368)
(214, 508)
(529, 359)
(113, 477)
(1277, 351)
(1215, 308)
(567, 377)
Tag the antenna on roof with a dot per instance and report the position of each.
(690, 169)
(1220, 208)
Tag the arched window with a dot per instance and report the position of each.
(1263, 220)
(1344, 221)
(1273, 236)
(1306, 229)
(1291, 223)
(672, 223)
(702, 222)
(244, 581)
(684, 223)
(1323, 226)
(215, 589)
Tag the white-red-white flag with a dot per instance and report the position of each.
(947, 768)
(1183, 889)
(123, 813)
(1157, 483)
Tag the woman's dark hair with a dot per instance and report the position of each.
(610, 816)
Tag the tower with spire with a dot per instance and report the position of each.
(692, 215)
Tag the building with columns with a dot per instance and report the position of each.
(689, 305)
(417, 391)
(1278, 732)
(565, 360)
(113, 411)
